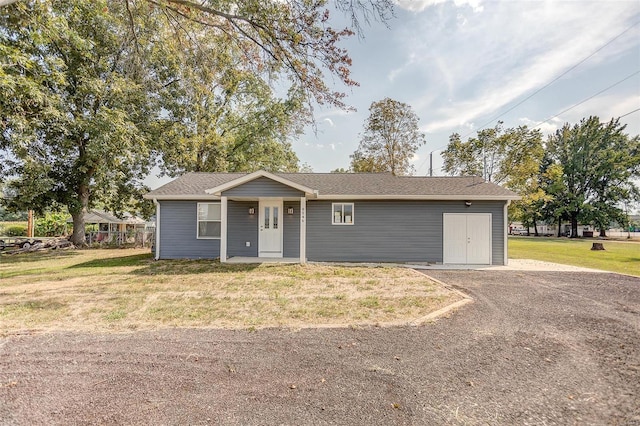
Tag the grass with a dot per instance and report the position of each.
(122, 290)
(618, 256)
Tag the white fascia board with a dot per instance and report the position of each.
(255, 175)
(346, 197)
(421, 197)
(182, 197)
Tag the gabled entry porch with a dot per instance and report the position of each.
(263, 228)
(262, 216)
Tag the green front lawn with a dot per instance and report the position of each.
(123, 290)
(623, 257)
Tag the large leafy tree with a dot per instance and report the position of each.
(594, 166)
(390, 139)
(77, 107)
(223, 113)
(93, 92)
(292, 39)
(497, 154)
(510, 157)
(222, 118)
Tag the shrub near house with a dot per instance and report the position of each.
(51, 225)
(14, 229)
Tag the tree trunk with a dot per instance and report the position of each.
(574, 226)
(559, 227)
(78, 236)
(603, 232)
(535, 227)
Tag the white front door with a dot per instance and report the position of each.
(270, 229)
(467, 238)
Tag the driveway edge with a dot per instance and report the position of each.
(443, 311)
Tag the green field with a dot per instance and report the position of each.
(618, 256)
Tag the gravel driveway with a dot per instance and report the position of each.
(534, 348)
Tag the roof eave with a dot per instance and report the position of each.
(255, 175)
(185, 197)
(180, 197)
(420, 197)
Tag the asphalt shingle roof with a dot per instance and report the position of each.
(344, 184)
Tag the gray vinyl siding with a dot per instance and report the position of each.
(263, 187)
(291, 237)
(392, 231)
(178, 233)
(242, 227)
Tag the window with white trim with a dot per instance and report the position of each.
(209, 220)
(342, 213)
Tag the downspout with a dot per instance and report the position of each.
(504, 232)
(155, 201)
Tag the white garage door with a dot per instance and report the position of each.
(467, 238)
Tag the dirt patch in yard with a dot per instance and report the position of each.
(125, 290)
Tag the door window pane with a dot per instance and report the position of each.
(275, 218)
(267, 213)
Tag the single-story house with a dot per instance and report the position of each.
(349, 217)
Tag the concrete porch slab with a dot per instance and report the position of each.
(241, 259)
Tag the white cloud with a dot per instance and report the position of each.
(500, 56)
(546, 128)
(607, 107)
(420, 5)
(332, 113)
(462, 64)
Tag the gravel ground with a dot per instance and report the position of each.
(534, 348)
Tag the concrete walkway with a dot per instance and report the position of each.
(514, 265)
(539, 265)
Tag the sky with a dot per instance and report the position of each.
(462, 65)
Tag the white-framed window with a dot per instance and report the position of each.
(342, 213)
(209, 217)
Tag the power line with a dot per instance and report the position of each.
(572, 107)
(589, 98)
(630, 112)
(554, 80)
(547, 85)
